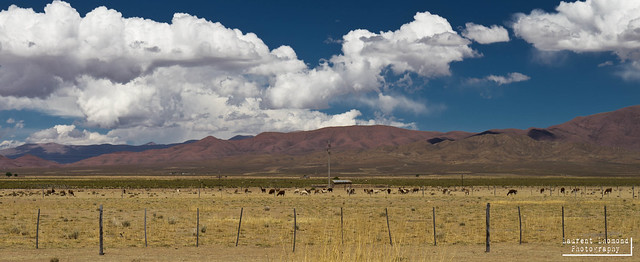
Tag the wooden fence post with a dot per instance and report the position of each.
(563, 225)
(488, 240)
(239, 224)
(520, 224)
(295, 228)
(145, 227)
(388, 227)
(37, 228)
(197, 227)
(434, 227)
(606, 236)
(101, 253)
(341, 226)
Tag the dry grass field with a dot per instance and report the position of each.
(69, 224)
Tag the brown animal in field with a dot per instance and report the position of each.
(562, 190)
(272, 191)
(512, 191)
(466, 191)
(446, 190)
(388, 190)
(280, 193)
(541, 190)
(415, 190)
(71, 192)
(263, 190)
(62, 193)
(330, 189)
(351, 191)
(608, 190)
(247, 191)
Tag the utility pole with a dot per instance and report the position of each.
(329, 164)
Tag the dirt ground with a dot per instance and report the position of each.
(499, 252)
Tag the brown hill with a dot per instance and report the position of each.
(7, 163)
(620, 128)
(602, 143)
(295, 143)
(26, 161)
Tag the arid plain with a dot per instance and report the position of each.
(332, 226)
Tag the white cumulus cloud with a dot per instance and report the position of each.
(190, 78)
(5, 144)
(501, 80)
(68, 134)
(425, 46)
(485, 35)
(586, 26)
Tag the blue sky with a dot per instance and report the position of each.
(132, 72)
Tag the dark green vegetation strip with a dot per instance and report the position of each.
(10, 183)
(156, 183)
(507, 181)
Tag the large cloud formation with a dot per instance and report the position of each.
(485, 35)
(589, 26)
(192, 77)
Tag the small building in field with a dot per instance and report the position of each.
(341, 182)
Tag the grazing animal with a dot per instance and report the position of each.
(71, 192)
(330, 189)
(263, 190)
(280, 193)
(608, 190)
(512, 191)
(541, 190)
(466, 191)
(444, 191)
(272, 191)
(304, 193)
(62, 193)
(247, 191)
(297, 191)
(351, 191)
(388, 190)
(416, 190)
(562, 190)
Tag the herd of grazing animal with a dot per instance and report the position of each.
(349, 190)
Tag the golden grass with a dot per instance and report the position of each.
(72, 222)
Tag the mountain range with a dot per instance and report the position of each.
(601, 143)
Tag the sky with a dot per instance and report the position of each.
(133, 72)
